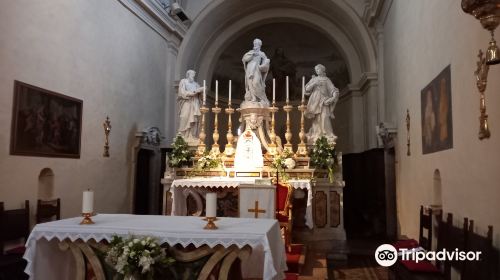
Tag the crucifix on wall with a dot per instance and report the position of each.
(256, 210)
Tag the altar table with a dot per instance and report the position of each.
(179, 195)
(46, 261)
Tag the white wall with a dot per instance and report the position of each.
(94, 50)
(421, 39)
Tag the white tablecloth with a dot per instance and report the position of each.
(179, 196)
(262, 234)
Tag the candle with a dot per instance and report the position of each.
(229, 102)
(88, 201)
(287, 89)
(216, 92)
(274, 90)
(211, 202)
(303, 88)
(204, 92)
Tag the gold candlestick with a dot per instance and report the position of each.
(202, 136)
(288, 134)
(210, 224)
(302, 147)
(215, 146)
(272, 147)
(86, 219)
(229, 150)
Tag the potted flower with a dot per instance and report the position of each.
(137, 258)
(323, 156)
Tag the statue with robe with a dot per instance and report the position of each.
(188, 106)
(256, 65)
(323, 97)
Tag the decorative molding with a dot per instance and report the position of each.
(157, 17)
(376, 11)
(386, 133)
(368, 79)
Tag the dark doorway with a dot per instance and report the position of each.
(142, 182)
(365, 211)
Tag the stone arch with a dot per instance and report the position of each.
(46, 184)
(213, 28)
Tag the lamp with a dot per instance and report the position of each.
(492, 56)
(488, 13)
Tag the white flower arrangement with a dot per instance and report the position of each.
(208, 160)
(134, 256)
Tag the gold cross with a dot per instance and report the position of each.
(256, 210)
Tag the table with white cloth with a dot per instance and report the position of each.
(181, 188)
(46, 261)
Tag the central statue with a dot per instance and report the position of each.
(256, 65)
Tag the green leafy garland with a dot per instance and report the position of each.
(180, 155)
(323, 156)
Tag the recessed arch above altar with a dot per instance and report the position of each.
(223, 21)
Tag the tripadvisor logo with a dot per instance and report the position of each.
(386, 255)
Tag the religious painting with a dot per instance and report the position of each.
(437, 125)
(45, 123)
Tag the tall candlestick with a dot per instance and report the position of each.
(229, 102)
(274, 90)
(287, 89)
(88, 201)
(204, 92)
(211, 202)
(216, 92)
(303, 88)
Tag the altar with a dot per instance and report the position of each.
(60, 249)
(180, 189)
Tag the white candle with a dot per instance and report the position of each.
(216, 91)
(88, 201)
(303, 88)
(204, 92)
(274, 90)
(229, 102)
(287, 89)
(211, 202)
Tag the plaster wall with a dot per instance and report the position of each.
(94, 50)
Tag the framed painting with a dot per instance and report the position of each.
(45, 123)
(437, 125)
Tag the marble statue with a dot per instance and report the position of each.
(323, 97)
(256, 65)
(188, 105)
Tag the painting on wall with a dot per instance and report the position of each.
(45, 123)
(437, 124)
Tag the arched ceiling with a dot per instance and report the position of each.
(222, 21)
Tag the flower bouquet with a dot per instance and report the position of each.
(283, 161)
(180, 155)
(208, 161)
(323, 156)
(137, 258)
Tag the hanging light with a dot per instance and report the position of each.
(492, 53)
(488, 13)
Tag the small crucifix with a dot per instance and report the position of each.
(256, 210)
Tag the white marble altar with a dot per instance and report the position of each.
(196, 188)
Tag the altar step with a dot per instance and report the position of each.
(311, 265)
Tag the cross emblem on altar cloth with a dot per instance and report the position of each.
(256, 210)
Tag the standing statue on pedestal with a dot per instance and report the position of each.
(188, 104)
(256, 65)
(323, 98)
